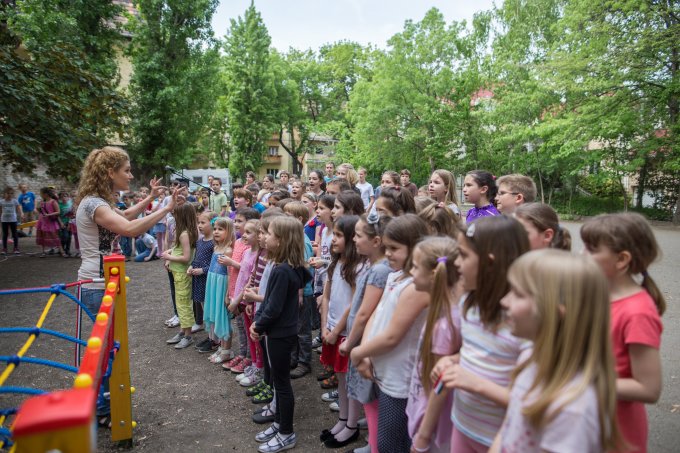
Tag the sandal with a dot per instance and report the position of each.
(264, 397)
(330, 383)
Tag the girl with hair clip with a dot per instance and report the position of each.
(347, 203)
(277, 321)
(429, 412)
(442, 188)
(389, 348)
(347, 266)
(624, 246)
(199, 274)
(563, 397)
(395, 201)
(177, 261)
(316, 182)
(440, 220)
(215, 315)
(543, 227)
(369, 289)
(489, 352)
(480, 189)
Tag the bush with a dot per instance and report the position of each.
(586, 206)
(655, 214)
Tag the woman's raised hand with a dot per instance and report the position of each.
(156, 187)
(173, 200)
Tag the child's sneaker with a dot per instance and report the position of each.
(265, 396)
(279, 442)
(176, 339)
(186, 341)
(245, 373)
(264, 436)
(316, 342)
(329, 397)
(196, 328)
(253, 379)
(334, 406)
(241, 366)
(254, 390)
(215, 354)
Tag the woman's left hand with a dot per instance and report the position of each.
(156, 187)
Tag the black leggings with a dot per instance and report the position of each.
(278, 355)
(6, 226)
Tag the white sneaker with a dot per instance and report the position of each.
(172, 322)
(334, 406)
(176, 339)
(252, 378)
(215, 354)
(245, 374)
(225, 356)
(196, 328)
(184, 343)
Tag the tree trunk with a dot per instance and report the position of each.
(642, 182)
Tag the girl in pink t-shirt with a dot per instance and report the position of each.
(563, 397)
(429, 412)
(624, 246)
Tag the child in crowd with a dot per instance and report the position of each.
(301, 358)
(177, 261)
(199, 275)
(65, 216)
(336, 186)
(480, 189)
(27, 202)
(48, 225)
(366, 189)
(320, 263)
(369, 289)
(563, 398)
(215, 315)
(623, 245)
(218, 202)
(11, 213)
(297, 188)
(310, 201)
(490, 352)
(242, 359)
(253, 374)
(277, 321)
(395, 201)
(346, 267)
(390, 347)
(442, 188)
(147, 248)
(543, 226)
(347, 202)
(429, 412)
(513, 191)
(441, 221)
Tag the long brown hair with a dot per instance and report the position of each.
(627, 231)
(185, 221)
(438, 255)
(291, 248)
(572, 349)
(505, 239)
(350, 257)
(94, 179)
(408, 230)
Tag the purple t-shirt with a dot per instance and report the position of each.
(576, 428)
(485, 211)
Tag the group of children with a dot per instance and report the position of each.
(448, 335)
(55, 214)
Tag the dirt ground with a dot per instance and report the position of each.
(184, 403)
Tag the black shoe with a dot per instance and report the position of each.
(209, 347)
(334, 443)
(301, 370)
(202, 343)
(326, 433)
(261, 419)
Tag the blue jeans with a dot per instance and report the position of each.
(92, 299)
(142, 251)
(126, 246)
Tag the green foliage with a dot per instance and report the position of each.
(250, 101)
(174, 84)
(585, 206)
(58, 77)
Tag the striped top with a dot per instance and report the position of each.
(489, 355)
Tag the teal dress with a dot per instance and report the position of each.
(215, 313)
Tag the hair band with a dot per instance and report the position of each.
(442, 259)
(373, 218)
(470, 230)
(645, 274)
(213, 220)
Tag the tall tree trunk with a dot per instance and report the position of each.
(642, 182)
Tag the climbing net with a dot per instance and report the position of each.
(64, 419)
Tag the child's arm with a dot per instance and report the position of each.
(20, 212)
(645, 385)
(152, 253)
(457, 377)
(251, 294)
(324, 309)
(496, 446)
(185, 257)
(411, 303)
(371, 298)
(333, 335)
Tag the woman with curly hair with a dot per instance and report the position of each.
(107, 170)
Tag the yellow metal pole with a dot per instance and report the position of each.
(119, 382)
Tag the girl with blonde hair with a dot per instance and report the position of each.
(563, 397)
(442, 188)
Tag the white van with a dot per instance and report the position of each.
(200, 176)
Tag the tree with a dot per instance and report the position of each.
(176, 67)
(58, 77)
(250, 101)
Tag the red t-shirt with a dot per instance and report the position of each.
(635, 320)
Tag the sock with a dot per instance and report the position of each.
(339, 426)
(345, 434)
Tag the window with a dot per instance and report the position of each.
(272, 172)
(198, 179)
(273, 151)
